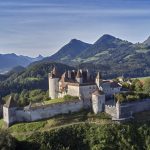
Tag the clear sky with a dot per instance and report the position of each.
(32, 27)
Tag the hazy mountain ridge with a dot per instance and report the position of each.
(147, 41)
(9, 61)
(35, 76)
(110, 55)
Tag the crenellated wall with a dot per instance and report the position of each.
(126, 110)
(111, 110)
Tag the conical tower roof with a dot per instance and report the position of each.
(79, 75)
(99, 76)
(55, 73)
(11, 102)
(65, 75)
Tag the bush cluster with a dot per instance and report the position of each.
(131, 96)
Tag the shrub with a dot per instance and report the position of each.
(7, 142)
(69, 97)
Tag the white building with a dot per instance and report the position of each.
(79, 83)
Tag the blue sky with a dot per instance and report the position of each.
(32, 27)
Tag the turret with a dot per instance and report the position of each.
(9, 111)
(69, 74)
(98, 79)
(98, 101)
(118, 110)
(79, 77)
(88, 74)
(53, 84)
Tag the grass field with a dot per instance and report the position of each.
(23, 130)
(54, 101)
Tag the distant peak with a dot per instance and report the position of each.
(147, 41)
(40, 56)
(105, 38)
(74, 40)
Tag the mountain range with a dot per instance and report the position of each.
(105, 48)
(110, 55)
(8, 61)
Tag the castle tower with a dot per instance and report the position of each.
(79, 77)
(53, 84)
(118, 110)
(98, 79)
(69, 74)
(98, 101)
(9, 111)
(88, 74)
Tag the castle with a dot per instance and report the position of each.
(92, 92)
(81, 84)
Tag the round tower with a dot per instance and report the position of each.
(98, 79)
(88, 74)
(79, 77)
(53, 84)
(98, 101)
(69, 74)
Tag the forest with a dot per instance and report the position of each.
(133, 136)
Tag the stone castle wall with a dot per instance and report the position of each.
(111, 110)
(1, 110)
(47, 111)
(127, 109)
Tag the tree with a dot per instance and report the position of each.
(146, 86)
(7, 142)
(138, 86)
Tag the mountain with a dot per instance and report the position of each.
(110, 55)
(35, 76)
(106, 44)
(147, 41)
(9, 61)
(69, 51)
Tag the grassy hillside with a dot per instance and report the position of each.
(80, 131)
(23, 130)
(33, 77)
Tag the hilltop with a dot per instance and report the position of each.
(110, 55)
(69, 52)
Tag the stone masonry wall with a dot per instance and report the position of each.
(127, 109)
(111, 110)
(44, 112)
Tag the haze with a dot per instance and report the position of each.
(32, 27)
